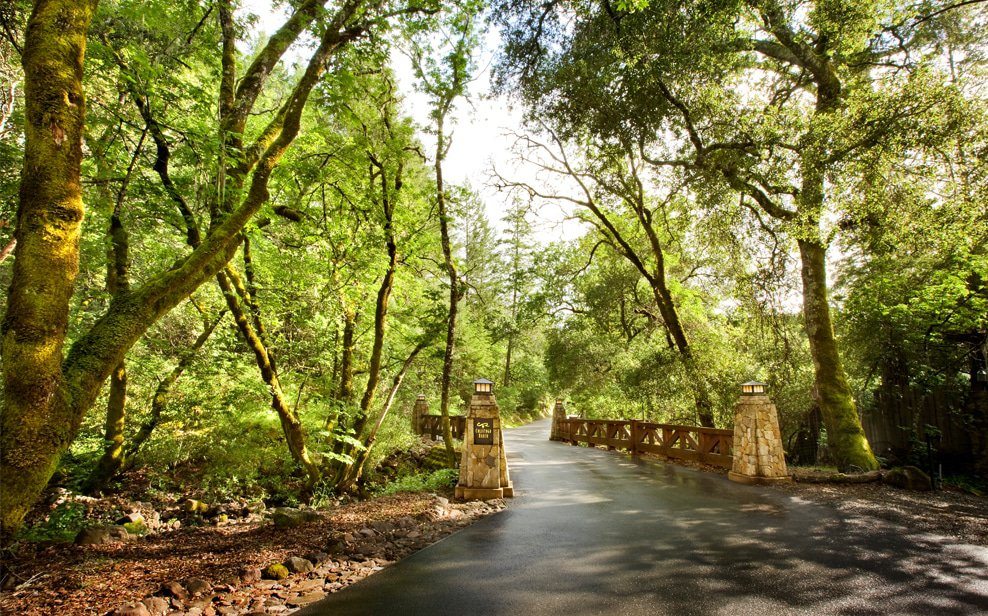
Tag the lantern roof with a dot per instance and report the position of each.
(753, 383)
(484, 381)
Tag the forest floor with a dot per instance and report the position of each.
(217, 569)
(949, 512)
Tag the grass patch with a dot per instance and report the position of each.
(435, 481)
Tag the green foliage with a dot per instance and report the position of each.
(63, 523)
(435, 481)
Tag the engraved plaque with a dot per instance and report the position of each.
(483, 431)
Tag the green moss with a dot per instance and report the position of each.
(276, 571)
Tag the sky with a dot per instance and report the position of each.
(481, 128)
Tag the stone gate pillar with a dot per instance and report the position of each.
(558, 415)
(758, 453)
(483, 465)
(421, 408)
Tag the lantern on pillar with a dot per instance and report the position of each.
(483, 386)
(753, 388)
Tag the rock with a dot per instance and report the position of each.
(94, 535)
(908, 478)
(288, 517)
(276, 571)
(193, 506)
(131, 518)
(316, 558)
(442, 502)
(308, 598)
(156, 606)
(131, 609)
(136, 528)
(298, 565)
(119, 533)
(98, 535)
(249, 575)
(197, 586)
(367, 532)
(173, 589)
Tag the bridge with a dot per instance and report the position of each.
(598, 532)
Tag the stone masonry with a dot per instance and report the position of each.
(483, 468)
(558, 415)
(758, 452)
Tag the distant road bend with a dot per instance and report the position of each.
(595, 532)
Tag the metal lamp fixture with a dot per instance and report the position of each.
(752, 388)
(483, 386)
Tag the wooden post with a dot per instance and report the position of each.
(635, 435)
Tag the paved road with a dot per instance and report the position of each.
(594, 532)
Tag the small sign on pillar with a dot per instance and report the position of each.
(483, 467)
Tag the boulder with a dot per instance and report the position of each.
(276, 571)
(193, 506)
(249, 575)
(156, 606)
(131, 518)
(98, 535)
(197, 586)
(908, 478)
(298, 565)
(173, 589)
(316, 558)
(131, 609)
(289, 517)
(94, 535)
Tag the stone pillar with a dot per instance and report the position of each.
(758, 454)
(558, 415)
(421, 408)
(483, 465)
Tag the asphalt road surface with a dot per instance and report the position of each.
(595, 532)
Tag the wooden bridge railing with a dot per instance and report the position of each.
(708, 445)
(433, 425)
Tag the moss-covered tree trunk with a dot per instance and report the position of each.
(38, 418)
(237, 297)
(845, 436)
(46, 397)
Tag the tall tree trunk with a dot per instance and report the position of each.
(454, 294)
(116, 415)
(236, 297)
(357, 468)
(697, 382)
(38, 419)
(344, 393)
(163, 393)
(117, 282)
(845, 436)
(46, 397)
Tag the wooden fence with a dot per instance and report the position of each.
(433, 426)
(708, 445)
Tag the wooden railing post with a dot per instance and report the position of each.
(634, 437)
